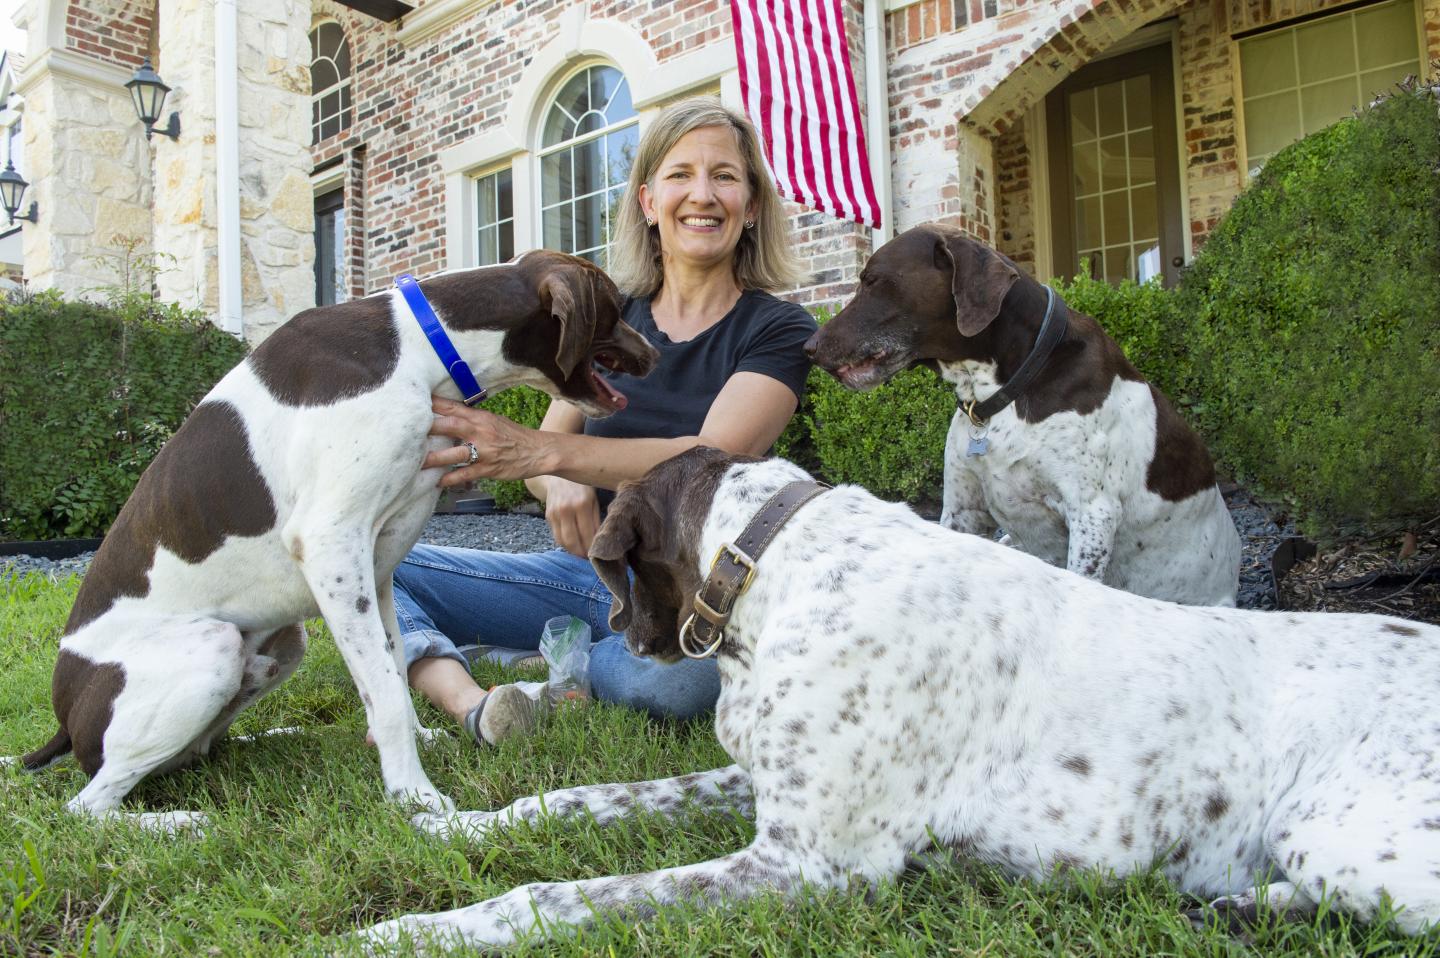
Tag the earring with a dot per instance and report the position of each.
(649, 221)
(749, 224)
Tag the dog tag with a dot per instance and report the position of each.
(979, 445)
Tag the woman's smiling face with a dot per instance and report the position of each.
(700, 198)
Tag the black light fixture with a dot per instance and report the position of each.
(148, 91)
(12, 191)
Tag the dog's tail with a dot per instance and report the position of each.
(48, 754)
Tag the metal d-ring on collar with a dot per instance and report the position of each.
(470, 389)
(733, 569)
(1052, 330)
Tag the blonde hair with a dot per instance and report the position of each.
(763, 259)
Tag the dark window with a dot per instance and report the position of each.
(329, 81)
(330, 272)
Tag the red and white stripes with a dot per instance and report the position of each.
(799, 91)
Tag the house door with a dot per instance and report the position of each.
(1115, 171)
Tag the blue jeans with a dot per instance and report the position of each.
(446, 597)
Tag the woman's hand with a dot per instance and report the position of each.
(573, 513)
(505, 450)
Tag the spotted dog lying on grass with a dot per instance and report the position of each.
(889, 684)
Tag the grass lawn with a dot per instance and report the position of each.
(302, 848)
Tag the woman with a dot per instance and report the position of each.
(700, 243)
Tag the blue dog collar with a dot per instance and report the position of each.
(471, 390)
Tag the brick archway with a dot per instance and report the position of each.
(1030, 61)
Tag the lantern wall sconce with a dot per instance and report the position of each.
(147, 91)
(12, 193)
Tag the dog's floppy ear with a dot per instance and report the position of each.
(571, 294)
(617, 536)
(979, 280)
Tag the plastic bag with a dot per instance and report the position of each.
(565, 645)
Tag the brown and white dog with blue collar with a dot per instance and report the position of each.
(1083, 463)
(293, 489)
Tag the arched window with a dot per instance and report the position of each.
(329, 81)
(586, 147)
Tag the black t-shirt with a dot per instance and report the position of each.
(760, 334)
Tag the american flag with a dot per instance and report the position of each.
(799, 91)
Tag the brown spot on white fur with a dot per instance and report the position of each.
(202, 487)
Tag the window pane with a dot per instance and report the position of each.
(345, 100)
(558, 128)
(1324, 103)
(504, 194)
(1112, 163)
(507, 241)
(485, 195)
(574, 97)
(620, 154)
(330, 104)
(489, 246)
(1117, 264)
(1267, 63)
(1085, 159)
(1082, 116)
(555, 179)
(589, 167)
(322, 76)
(331, 38)
(1327, 49)
(590, 222)
(558, 229)
(620, 106)
(1386, 35)
(1110, 104)
(1137, 102)
(1271, 122)
(604, 81)
(342, 59)
(1378, 81)
(1117, 217)
(1142, 157)
(1146, 214)
(1087, 223)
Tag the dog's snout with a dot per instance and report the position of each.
(812, 345)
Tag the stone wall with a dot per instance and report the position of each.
(277, 249)
(87, 162)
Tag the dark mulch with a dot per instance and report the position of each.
(1394, 574)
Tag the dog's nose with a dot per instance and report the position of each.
(812, 345)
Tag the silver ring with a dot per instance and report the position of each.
(474, 453)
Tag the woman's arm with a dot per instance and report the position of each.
(747, 416)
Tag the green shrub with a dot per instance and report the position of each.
(526, 406)
(891, 440)
(1142, 318)
(88, 394)
(1312, 317)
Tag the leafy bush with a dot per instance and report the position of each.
(1143, 319)
(88, 394)
(526, 406)
(1312, 318)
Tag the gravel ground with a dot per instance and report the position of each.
(508, 532)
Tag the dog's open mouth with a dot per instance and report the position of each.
(606, 394)
(869, 372)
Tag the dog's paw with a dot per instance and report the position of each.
(423, 799)
(426, 735)
(470, 826)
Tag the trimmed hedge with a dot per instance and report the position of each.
(88, 394)
(1313, 318)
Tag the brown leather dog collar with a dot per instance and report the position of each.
(733, 568)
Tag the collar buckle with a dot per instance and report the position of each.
(737, 556)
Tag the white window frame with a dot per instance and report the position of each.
(344, 84)
(1242, 149)
(580, 41)
(475, 207)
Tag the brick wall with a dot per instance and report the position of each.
(113, 31)
(410, 103)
